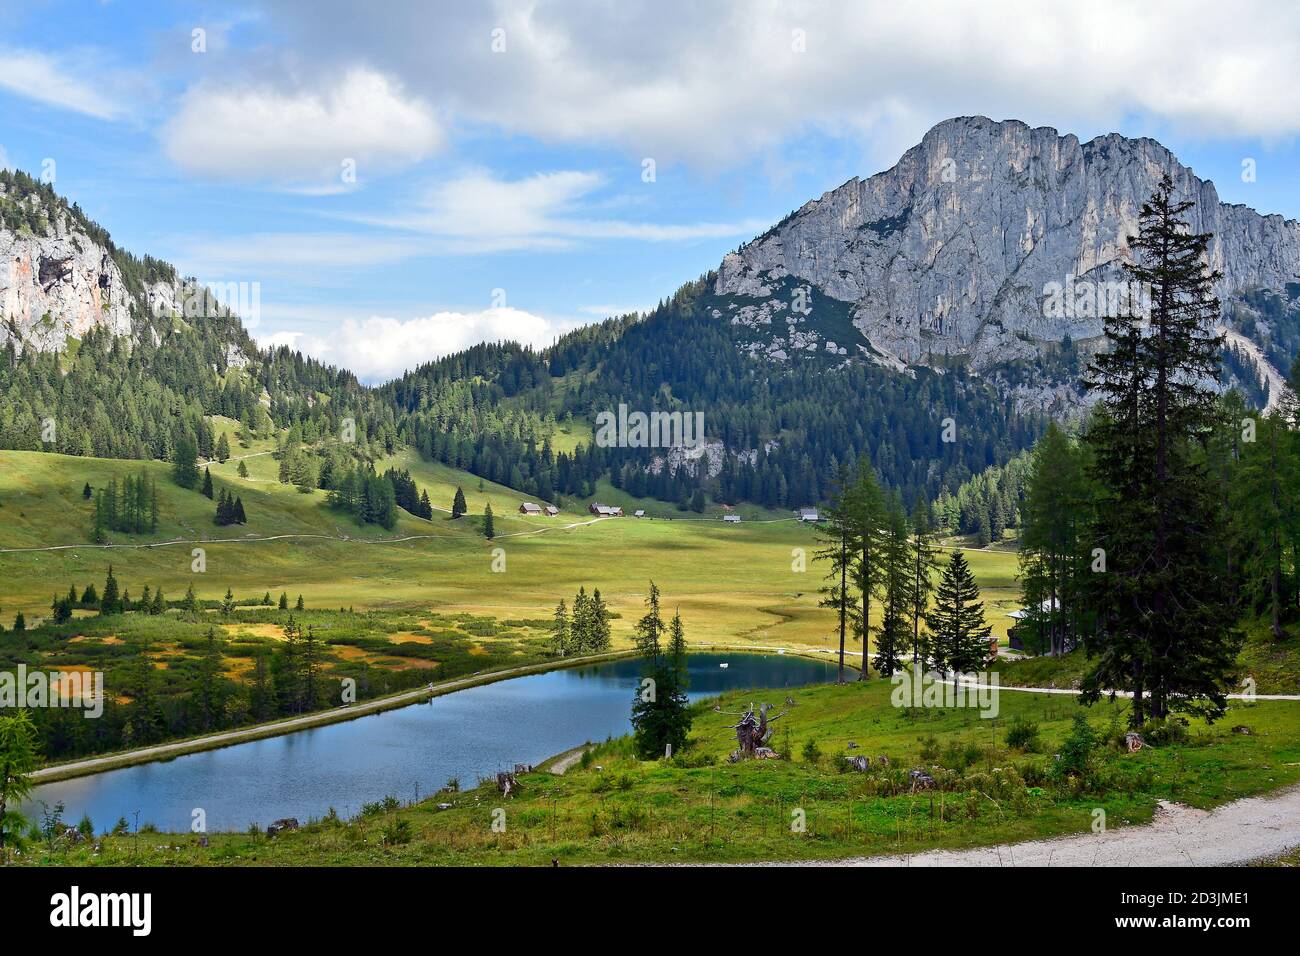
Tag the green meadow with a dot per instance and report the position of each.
(751, 583)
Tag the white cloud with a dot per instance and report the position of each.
(302, 138)
(711, 82)
(57, 82)
(478, 213)
(289, 254)
(378, 349)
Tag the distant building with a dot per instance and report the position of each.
(528, 508)
(809, 514)
(639, 513)
(732, 519)
(552, 511)
(1047, 607)
(606, 511)
(615, 511)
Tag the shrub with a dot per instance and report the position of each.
(1075, 759)
(1022, 734)
(929, 748)
(1160, 733)
(396, 832)
(811, 752)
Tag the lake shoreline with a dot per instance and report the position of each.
(161, 753)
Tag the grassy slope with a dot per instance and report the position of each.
(705, 809)
(734, 583)
(1274, 665)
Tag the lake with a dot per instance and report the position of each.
(466, 734)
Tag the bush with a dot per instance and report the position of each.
(396, 832)
(1022, 734)
(1075, 758)
(1160, 733)
(959, 755)
(929, 748)
(811, 752)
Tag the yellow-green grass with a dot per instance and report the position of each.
(733, 583)
(699, 807)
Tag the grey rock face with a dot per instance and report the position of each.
(952, 250)
(53, 287)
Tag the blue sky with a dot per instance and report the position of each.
(499, 148)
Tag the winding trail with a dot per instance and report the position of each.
(567, 759)
(258, 539)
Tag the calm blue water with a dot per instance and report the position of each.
(466, 734)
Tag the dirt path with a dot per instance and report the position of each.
(1245, 830)
(1121, 693)
(258, 539)
(568, 759)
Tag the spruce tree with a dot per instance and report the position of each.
(1166, 625)
(1263, 501)
(924, 561)
(111, 602)
(896, 588)
(960, 641)
(865, 510)
(561, 637)
(284, 601)
(599, 617)
(660, 716)
(836, 533)
(458, 504)
(207, 484)
(581, 636)
(1052, 559)
(185, 471)
(489, 530)
(208, 685)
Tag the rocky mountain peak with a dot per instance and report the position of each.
(953, 250)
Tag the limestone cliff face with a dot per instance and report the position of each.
(56, 286)
(951, 250)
